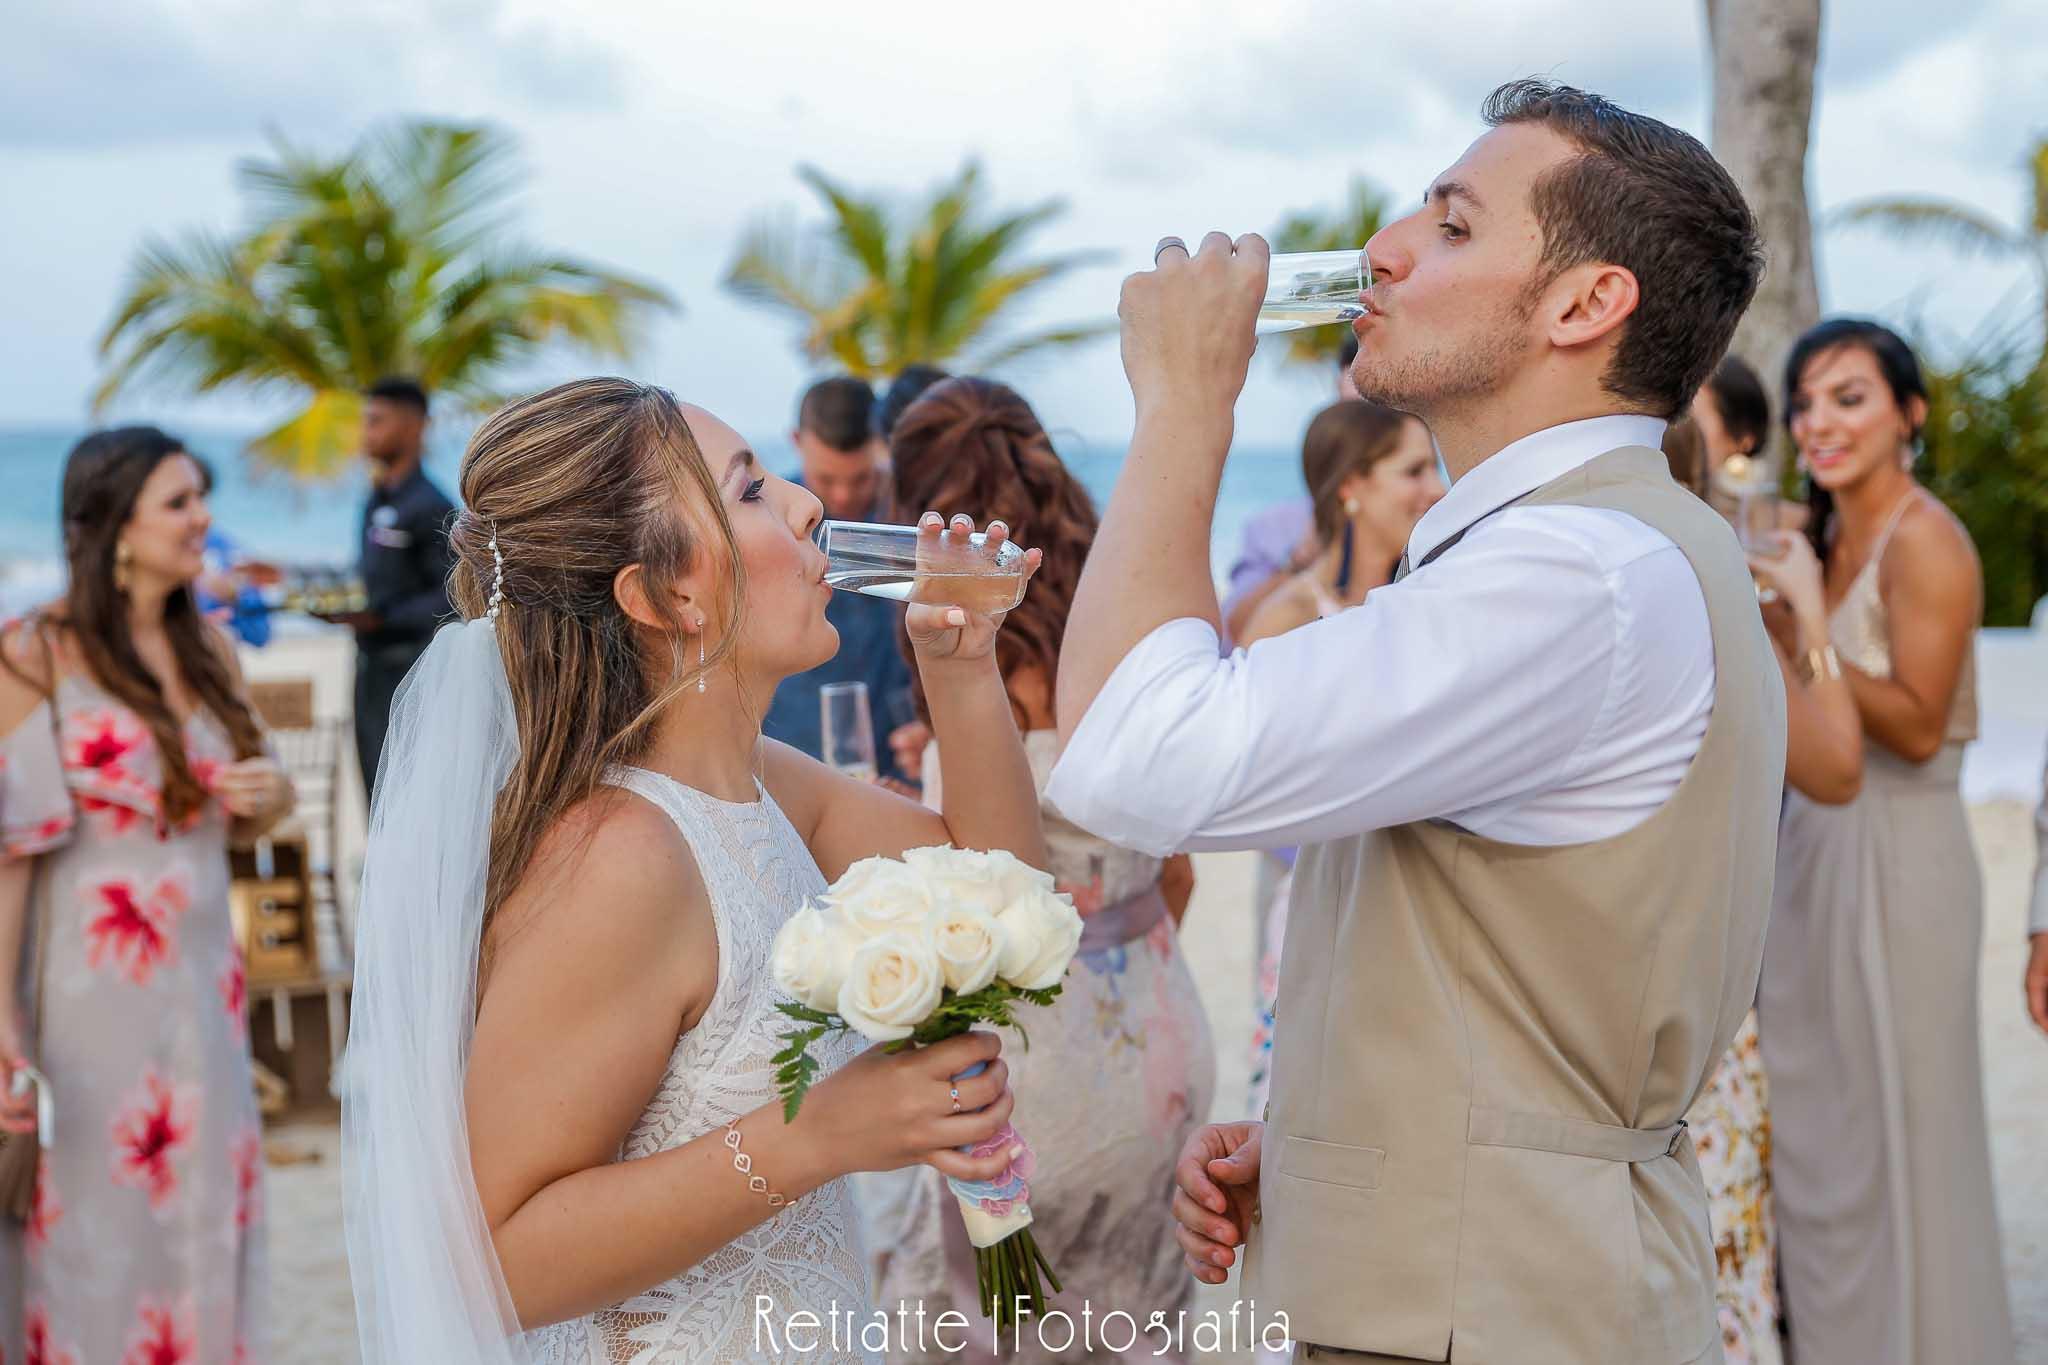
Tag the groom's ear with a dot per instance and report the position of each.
(1588, 302)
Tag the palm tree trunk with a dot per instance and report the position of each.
(1764, 55)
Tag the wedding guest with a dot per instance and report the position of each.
(910, 381)
(563, 1138)
(404, 561)
(1371, 474)
(1867, 1009)
(845, 466)
(227, 588)
(1121, 1068)
(1731, 411)
(129, 757)
(1276, 543)
(1730, 1122)
(1686, 452)
(1279, 541)
(2036, 980)
(906, 741)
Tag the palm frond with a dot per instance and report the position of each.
(384, 259)
(2037, 191)
(1959, 227)
(860, 225)
(319, 441)
(1050, 338)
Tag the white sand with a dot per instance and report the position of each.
(314, 1315)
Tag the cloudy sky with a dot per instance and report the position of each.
(656, 131)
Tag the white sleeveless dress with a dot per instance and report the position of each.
(808, 1256)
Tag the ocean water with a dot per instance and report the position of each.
(274, 518)
(317, 525)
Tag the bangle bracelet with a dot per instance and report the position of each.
(1818, 662)
(744, 1164)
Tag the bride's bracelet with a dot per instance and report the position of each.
(744, 1164)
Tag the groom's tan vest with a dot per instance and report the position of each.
(1483, 1050)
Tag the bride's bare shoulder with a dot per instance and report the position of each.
(612, 894)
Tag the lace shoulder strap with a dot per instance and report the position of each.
(674, 800)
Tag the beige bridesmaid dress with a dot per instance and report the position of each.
(1881, 1165)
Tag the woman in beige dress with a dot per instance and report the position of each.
(129, 756)
(1888, 1232)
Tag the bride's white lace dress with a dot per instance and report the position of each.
(807, 1257)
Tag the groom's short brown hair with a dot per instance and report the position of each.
(1644, 196)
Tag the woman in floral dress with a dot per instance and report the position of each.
(128, 754)
(1122, 1067)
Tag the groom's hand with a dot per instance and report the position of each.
(1216, 1197)
(1188, 326)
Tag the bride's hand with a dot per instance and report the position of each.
(884, 1111)
(956, 633)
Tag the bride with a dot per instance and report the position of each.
(562, 1140)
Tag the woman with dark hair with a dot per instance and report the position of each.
(1888, 1233)
(129, 756)
(1371, 474)
(1732, 411)
(1121, 1069)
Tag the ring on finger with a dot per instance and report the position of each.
(1165, 242)
(954, 1091)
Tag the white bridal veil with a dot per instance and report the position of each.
(427, 1281)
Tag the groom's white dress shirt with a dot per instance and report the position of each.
(1547, 681)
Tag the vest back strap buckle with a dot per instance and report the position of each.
(1489, 1127)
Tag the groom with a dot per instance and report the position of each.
(1537, 775)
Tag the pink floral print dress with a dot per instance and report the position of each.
(145, 1245)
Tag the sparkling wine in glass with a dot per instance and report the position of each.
(897, 563)
(847, 730)
(1312, 289)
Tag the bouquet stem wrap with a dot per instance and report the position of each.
(1007, 1262)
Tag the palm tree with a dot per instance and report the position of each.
(389, 259)
(1363, 214)
(880, 286)
(1971, 231)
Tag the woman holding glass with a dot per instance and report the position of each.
(1868, 1003)
(1121, 1068)
(129, 756)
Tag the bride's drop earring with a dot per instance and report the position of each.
(700, 658)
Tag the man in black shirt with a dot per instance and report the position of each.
(405, 560)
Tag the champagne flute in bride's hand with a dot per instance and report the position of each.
(948, 570)
(1312, 289)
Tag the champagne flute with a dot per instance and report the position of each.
(897, 563)
(1747, 480)
(1313, 289)
(847, 730)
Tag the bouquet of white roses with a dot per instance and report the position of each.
(914, 951)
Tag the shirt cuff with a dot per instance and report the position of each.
(1099, 782)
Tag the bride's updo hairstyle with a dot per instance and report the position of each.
(576, 484)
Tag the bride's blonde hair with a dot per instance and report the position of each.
(576, 484)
